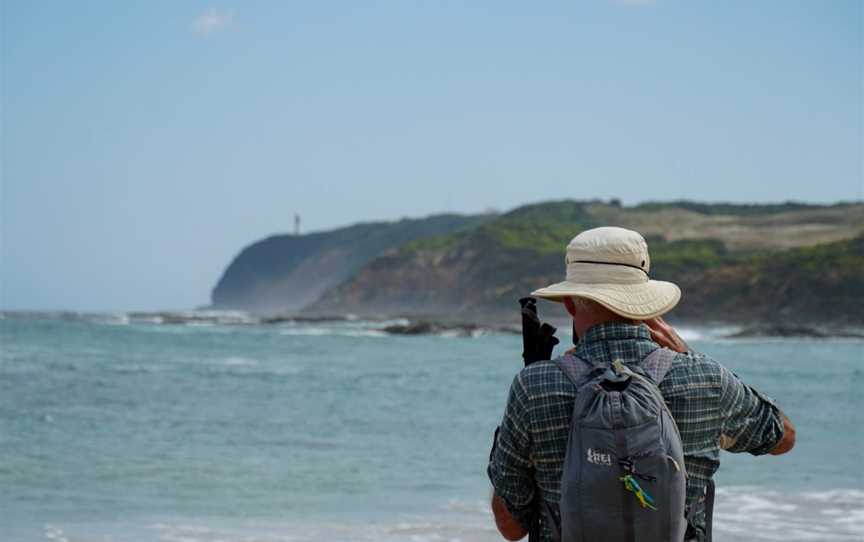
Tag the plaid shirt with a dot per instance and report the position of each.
(711, 406)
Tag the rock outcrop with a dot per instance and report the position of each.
(284, 273)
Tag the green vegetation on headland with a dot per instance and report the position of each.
(737, 209)
(737, 264)
(823, 284)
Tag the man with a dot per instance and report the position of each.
(616, 311)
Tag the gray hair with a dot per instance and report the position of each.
(583, 303)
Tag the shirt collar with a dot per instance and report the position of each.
(616, 331)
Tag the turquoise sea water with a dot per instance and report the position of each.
(111, 431)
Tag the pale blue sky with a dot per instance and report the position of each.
(145, 143)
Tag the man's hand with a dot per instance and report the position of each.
(506, 523)
(665, 335)
(788, 440)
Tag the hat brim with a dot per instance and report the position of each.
(641, 301)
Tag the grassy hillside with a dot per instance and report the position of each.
(814, 285)
(723, 256)
(540, 228)
(737, 209)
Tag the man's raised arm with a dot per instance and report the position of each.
(751, 421)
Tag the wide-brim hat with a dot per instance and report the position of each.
(610, 266)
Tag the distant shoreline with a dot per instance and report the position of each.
(412, 325)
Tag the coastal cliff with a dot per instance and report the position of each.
(738, 264)
(735, 264)
(284, 273)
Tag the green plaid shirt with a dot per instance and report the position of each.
(708, 402)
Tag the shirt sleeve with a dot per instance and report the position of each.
(510, 468)
(751, 421)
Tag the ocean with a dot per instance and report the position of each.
(121, 430)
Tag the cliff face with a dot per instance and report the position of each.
(284, 273)
(735, 264)
(805, 285)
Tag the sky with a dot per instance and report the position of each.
(144, 144)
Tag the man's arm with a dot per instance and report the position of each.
(751, 421)
(740, 402)
(510, 468)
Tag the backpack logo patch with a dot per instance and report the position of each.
(598, 457)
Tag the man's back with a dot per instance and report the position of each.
(709, 404)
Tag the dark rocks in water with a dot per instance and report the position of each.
(276, 320)
(438, 328)
(302, 319)
(426, 328)
(784, 330)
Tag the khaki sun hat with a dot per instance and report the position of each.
(610, 266)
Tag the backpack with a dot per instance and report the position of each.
(623, 476)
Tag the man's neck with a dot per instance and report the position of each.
(605, 319)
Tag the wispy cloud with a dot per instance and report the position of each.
(212, 21)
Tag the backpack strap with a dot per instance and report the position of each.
(574, 368)
(709, 510)
(657, 364)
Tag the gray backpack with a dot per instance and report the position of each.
(623, 476)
